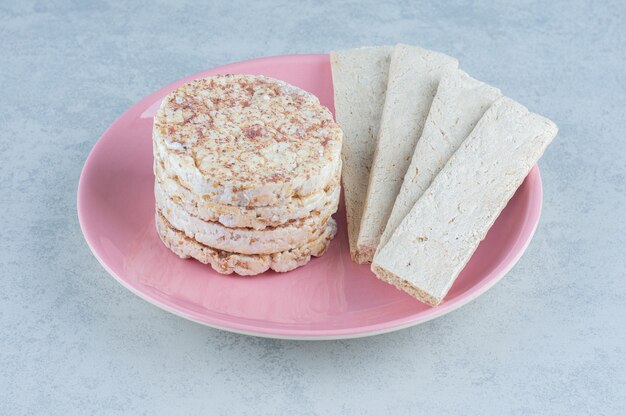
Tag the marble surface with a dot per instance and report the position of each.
(549, 339)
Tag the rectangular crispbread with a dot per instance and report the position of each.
(433, 243)
(458, 105)
(360, 82)
(414, 74)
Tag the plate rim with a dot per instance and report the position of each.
(293, 333)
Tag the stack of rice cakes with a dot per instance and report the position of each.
(247, 174)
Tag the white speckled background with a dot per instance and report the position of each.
(549, 339)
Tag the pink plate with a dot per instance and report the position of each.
(331, 297)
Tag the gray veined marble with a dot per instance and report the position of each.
(548, 339)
